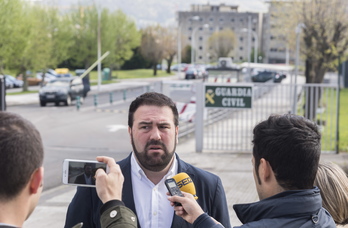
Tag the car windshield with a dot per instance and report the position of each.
(58, 83)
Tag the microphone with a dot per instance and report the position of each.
(185, 184)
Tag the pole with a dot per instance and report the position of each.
(192, 46)
(99, 52)
(256, 46)
(337, 148)
(298, 31)
(2, 93)
(179, 48)
(249, 45)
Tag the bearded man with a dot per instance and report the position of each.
(153, 125)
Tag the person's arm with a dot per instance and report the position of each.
(113, 213)
(192, 212)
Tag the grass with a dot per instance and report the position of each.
(328, 102)
(129, 74)
(21, 92)
(343, 129)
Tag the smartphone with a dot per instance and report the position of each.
(173, 189)
(81, 172)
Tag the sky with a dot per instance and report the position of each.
(146, 12)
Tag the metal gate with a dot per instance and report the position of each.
(221, 129)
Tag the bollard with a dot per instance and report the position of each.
(111, 97)
(124, 95)
(95, 100)
(78, 103)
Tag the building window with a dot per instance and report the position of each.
(232, 28)
(254, 29)
(221, 19)
(189, 38)
(200, 57)
(211, 29)
(232, 58)
(272, 38)
(221, 28)
(241, 20)
(200, 38)
(211, 19)
(200, 47)
(240, 58)
(190, 28)
(241, 39)
(200, 28)
(232, 19)
(241, 48)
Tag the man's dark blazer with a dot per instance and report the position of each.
(82, 180)
(85, 205)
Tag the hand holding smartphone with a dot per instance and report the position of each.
(173, 189)
(81, 172)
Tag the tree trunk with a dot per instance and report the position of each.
(24, 78)
(169, 63)
(154, 69)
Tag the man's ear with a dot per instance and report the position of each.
(265, 170)
(36, 180)
(177, 134)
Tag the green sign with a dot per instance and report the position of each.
(228, 96)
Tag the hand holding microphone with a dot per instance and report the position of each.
(185, 183)
(189, 209)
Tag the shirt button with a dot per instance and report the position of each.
(155, 213)
(113, 213)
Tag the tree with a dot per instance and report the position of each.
(169, 44)
(123, 38)
(222, 42)
(151, 45)
(186, 54)
(325, 38)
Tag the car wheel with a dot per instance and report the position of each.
(68, 101)
(56, 103)
(42, 103)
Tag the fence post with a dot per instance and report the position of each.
(199, 121)
(124, 95)
(2, 93)
(78, 103)
(111, 97)
(95, 100)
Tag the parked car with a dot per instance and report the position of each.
(202, 72)
(279, 77)
(16, 83)
(8, 83)
(63, 90)
(263, 76)
(191, 73)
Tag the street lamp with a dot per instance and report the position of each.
(298, 32)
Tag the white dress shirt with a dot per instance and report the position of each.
(151, 203)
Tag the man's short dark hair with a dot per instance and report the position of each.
(291, 145)
(21, 153)
(155, 99)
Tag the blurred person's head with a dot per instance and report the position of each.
(286, 154)
(21, 153)
(88, 169)
(333, 184)
(153, 128)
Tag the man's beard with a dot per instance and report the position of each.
(154, 162)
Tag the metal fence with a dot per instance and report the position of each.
(230, 130)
